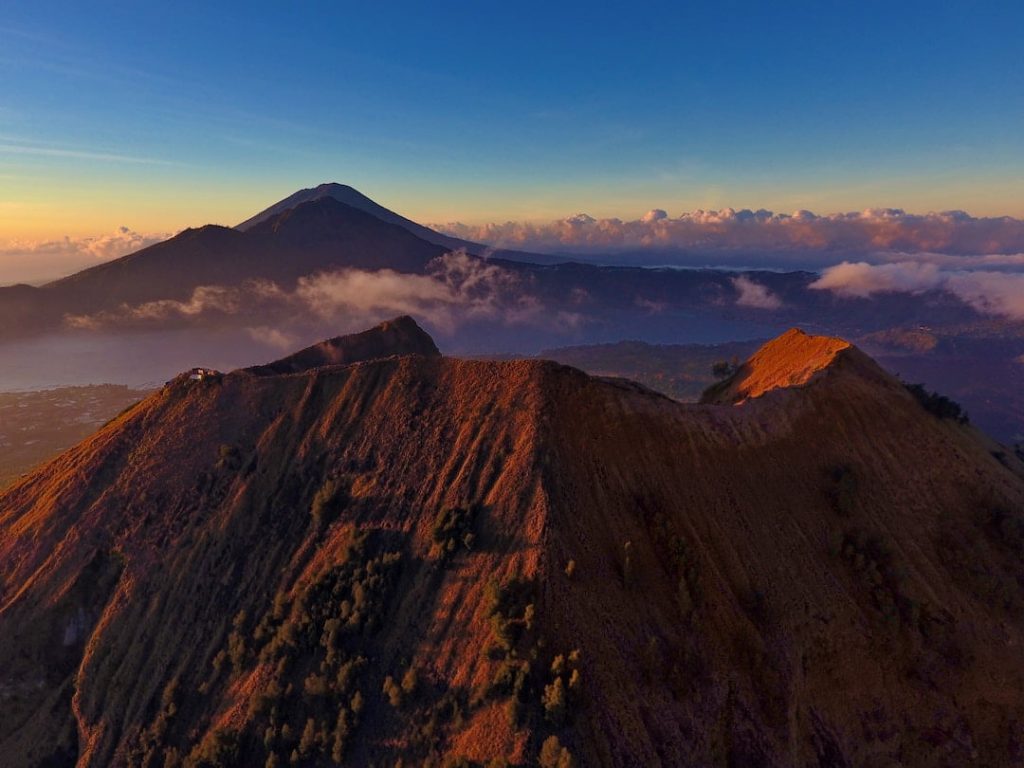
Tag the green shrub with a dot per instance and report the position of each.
(228, 457)
(554, 702)
(218, 749)
(329, 501)
(452, 529)
(409, 681)
(307, 743)
(393, 691)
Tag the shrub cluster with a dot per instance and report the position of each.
(452, 529)
(316, 644)
(330, 500)
(566, 686)
(938, 405)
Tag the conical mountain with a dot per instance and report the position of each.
(356, 199)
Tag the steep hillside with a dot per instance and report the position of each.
(432, 559)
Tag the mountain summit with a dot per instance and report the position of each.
(468, 563)
(356, 199)
(401, 336)
(794, 359)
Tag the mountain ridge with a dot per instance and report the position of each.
(399, 336)
(741, 584)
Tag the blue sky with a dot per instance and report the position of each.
(161, 117)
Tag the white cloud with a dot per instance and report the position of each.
(862, 280)
(753, 294)
(989, 292)
(457, 288)
(272, 337)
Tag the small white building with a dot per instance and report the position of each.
(198, 374)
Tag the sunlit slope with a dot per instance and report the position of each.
(428, 558)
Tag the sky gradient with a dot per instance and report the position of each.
(157, 118)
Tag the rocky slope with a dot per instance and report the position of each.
(428, 559)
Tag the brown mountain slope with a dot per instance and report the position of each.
(426, 558)
(791, 360)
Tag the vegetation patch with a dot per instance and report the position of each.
(938, 405)
(453, 530)
(330, 500)
(312, 650)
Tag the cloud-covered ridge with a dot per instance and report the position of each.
(876, 229)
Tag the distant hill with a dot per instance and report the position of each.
(450, 562)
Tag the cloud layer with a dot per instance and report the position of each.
(989, 292)
(48, 259)
(457, 288)
(879, 229)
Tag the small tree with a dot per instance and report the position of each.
(308, 740)
(393, 692)
(554, 755)
(554, 702)
(329, 501)
(409, 681)
(723, 369)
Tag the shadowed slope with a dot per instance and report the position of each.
(321, 235)
(252, 565)
(401, 336)
(356, 199)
